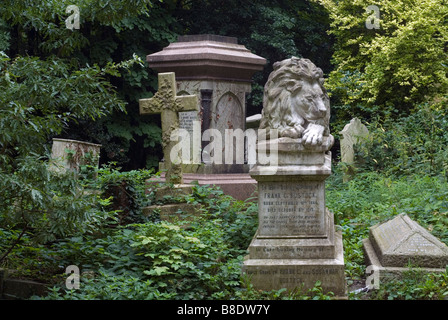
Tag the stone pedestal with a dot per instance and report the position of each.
(296, 244)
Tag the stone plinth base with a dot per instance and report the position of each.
(297, 263)
(274, 274)
(296, 245)
(238, 185)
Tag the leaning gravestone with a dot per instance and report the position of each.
(353, 133)
(395, 245)
(296, 244)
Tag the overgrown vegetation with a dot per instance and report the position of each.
(401, 170)
(147, 259)
(390, 71)
(113, 31)
(85, 84)
(198, 259)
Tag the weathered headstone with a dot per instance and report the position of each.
(67, 154)
(296, 244)
(353, 133)
(167, 103)
(218, 70)
(398, 243)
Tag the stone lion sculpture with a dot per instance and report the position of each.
(295, 102)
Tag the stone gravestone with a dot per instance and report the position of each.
(67, 154)
(396, 244)
(219, 71)
(167, 103)
(353, 133)
(296, 244)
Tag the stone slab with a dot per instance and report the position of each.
(162, 193)
(238, 185)
(268, 274)
(387, 273)
(253, 121)
(62, 161)
(174, 212)
(401, 241)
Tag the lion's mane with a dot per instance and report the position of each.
(287, 77)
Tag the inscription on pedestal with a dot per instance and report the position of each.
(291, 209)
(296, 276)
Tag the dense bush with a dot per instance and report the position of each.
(196, 259)
(412, 144)
(373, 197)
(392, 70)
(166, 260)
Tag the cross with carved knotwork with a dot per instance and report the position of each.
(168, 104)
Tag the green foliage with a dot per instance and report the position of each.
(372, 197)
(110, 32)
(201, 258)
(275, 30)
(127, 190)
(414, 284)
(169, 260)
(198, 259)
(393, 69)
(409, 145)
(38, 99)
(28, 259)
(239, 228)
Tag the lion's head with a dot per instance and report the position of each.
(295, 101)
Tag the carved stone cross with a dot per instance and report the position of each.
(168, 104)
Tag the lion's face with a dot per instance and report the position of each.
(295, 101)
(309, 101)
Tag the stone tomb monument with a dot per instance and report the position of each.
(296, 244)
(219, 71)
(398, 243)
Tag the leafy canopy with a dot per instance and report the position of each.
(394, 68)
